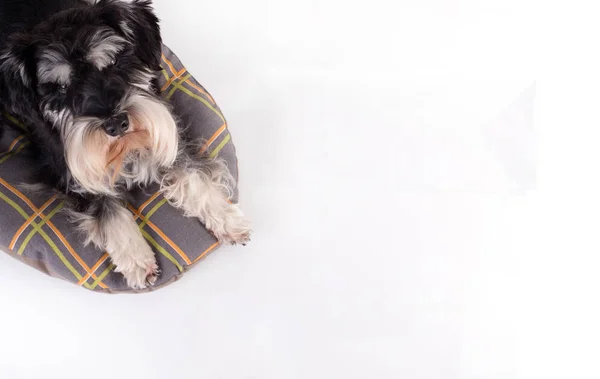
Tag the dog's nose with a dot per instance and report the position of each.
(117, 125)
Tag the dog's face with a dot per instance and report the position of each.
(89, 74)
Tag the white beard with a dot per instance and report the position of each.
(87, 146)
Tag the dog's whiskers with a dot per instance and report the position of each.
(135, 141)
(84, 80)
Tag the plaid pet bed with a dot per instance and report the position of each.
(33, 230)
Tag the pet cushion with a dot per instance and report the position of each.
(33, 230)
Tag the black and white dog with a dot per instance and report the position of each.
(83, 76)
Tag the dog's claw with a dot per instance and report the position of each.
(232, 227)
(139, 277)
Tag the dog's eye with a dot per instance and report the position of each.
(62, 88)
(113, 62)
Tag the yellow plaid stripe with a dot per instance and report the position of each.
(178, 85)
(148, 202)
(14, 121)
(40, 220)
(175, 85)
(198, 88)
(169, 81)
(138, 213)
(102, 276)
(93, 270)
(165, 74)
(38, 229)
(16, 146)
(220, 146)
(168, 63)
(213, 138)
(158, 231)
(152, 241)
(44, 236)
(28, 222)
(199, 98)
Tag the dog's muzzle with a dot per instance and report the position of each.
(117, 125)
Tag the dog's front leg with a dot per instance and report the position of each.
(201, 188)
(107, 224)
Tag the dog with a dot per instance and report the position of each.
(83, 76)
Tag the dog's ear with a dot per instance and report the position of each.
(17, 75)
(136, 22)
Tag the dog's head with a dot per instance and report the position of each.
(88, 73)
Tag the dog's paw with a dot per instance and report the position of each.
(140, 277)
(138, 266)
(232, 227)
(238, 230)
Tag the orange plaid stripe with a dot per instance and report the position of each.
(12, 149)
(137, 213)
(29, 221)
(14, 143)
(93, 270)
(58, 234)
(199, 89)
(213, 138)
(169, 64)
(161, 234)
(210, 248)
(175, 79)
(188, 81)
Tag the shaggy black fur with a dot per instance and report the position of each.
(27, 26)
(83, 77)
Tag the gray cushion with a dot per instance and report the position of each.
(34, 230)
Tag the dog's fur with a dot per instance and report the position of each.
(83, 76)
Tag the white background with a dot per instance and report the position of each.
(423, 208)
